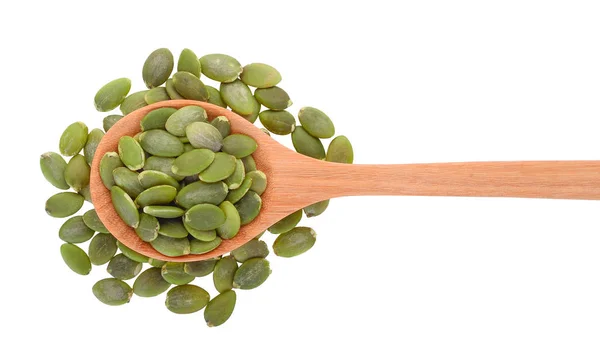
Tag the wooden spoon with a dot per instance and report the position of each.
(295, 181)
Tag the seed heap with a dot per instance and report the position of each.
(169, 171)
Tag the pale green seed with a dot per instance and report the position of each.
(151, 178)
(223, 273)
(102, 248)
(188, 61)
(110, 120)
(204, 217)
(164, 211)
(157, 67)
(251, 249)
(64, 204)
(252, 273)
(125, 206)
(232, 221)
(316, 209)
(74, 230)
(156, 263)
(255, 111)
(113, 292)
(274, 98)
(172, 247)
(184, 140)
(235, 195)
(222, 124)
(179, 120)
(156, 195)
(109, 162)
(294, 242)
(77, 173)
(112, 94)
(156, 119)
(307, 144)
(150, 283)
(340, 150)
(91, 220)
(238, 96)
(316, 123)
(287, 223)
(249, 163)
(73, 139)
(162, 164)
(134, 102)
(138, 257)
(86, 193)
(220, 308)
(160, 143)
(248, 207)
(237, 177)
(93, 139)
(220, 67)
(260, 75)
(193, 162)
(278, 122)
(204, 135)
(188, 147)
(174, 273)
(200, 268)
(131, 153)
(172, 92)
(172, 228)
(53, 168)
(128, 181)
(157, 94)
(201, 247)
(121, 267)
(201, 235)
(222, 167)
(186, 299)
(76, 259)
(147, 230)
(239, 145)
(214, 97)
(201, 193)
(259, 181)
(189, 86)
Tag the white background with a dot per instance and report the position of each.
(406, 81)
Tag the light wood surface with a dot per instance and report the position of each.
(295, 181)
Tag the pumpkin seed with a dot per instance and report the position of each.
(222, 167)
(76, 259)
(147, 230)
(128, 181)
(274, 98)
(204, 217)
(112, 94)
(121, 267)
(74, 230)
(239, 145)
(249, 163)
(237, 177)
(77, 173)
(223, 273)
(238, 96)
(340, 150)
(131, 153)
(316, 123)
(222, 124)
(201, 235)
(53, 168)
(316, 209)
(156, 119)
(200, 268)
(287, 223)
(150, 283)
(112, 291)
(157, 94)
(160, 143)
(174, 273)
(220, 67)
(162, 164)
(214, 97)
(186, 299)
(179, 120)
(204, 135)
(255, 111)
(64, 204)
(251, 249)
(307, 144)
(102, 248)
(91, 220)
(73, 139)
(252, 273)
(278, 122)
(171, 91)
(125, 206)
(110, 120)
(259, 181)
(163, 211)
(157, 67)
(156, 195)
(172, 228)
(232, 223)
(200, 193)
(193, 162)
(188, 61)
(86, 193)
(248, 207)
(260, 75)
(156, 263)
(138, 257)
(294, 242)
(201, 247)
(235, 195)
(189, 86)
(133, 102)
(172, 247)
(109, 162)
(220, 308)
(93, 139)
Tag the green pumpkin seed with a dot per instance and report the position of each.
(112, 94)
(138, 257)
(172, 247)
(73, 139)
(249, 163)
(86, 193)
(200, 193)
(222, 124)
(174, 273)
(76, 259)
(150, 283)
(179, 120)
(220, 67)
(161, 164)
(110, 120)
(222, 167)
(53, 168)
(147, 230)
(274, 98)
(232, 221)
(156, 263)
(340, 150)
(91, 144)
(148, 179)
(186, 299)
(235, 195)
(188, 147)
(204, 135)
(184, 140)
(128, 181)
(131, 153)
(160, 143)
(157, 67)
(248, 207)
(252, 273)
(102, 248)
(260, 75)
(156, 195)
(223, 273)
(188, 61)
(237, 177)
(204, 217)
(287, 223)
(172, 92)
(251, 249)
(64, 204)
(239, 145)
(157, 94)
(189, 86)
(121, 267)
(294, 242)
(220, 308)
(193, 162)
(74, 230)
(172, 228)
(200, 268)
(201, 235)
(134, 102)
(259, 182)
(156, 119)
(307, 144)
(125, 206)
(239, 97)
(109, 162)
(91, 220)
(77, 173)
(201, 247)
(316, 209)
(316, 123)
(214, 97)
(163, 211)
(278, 122)
(255, 111)
(113, 292)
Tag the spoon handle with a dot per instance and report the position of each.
(518, 179)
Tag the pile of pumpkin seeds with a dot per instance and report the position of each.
(138, 167)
